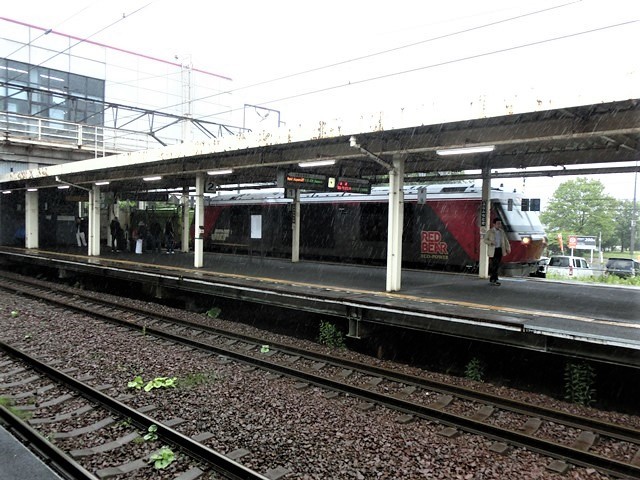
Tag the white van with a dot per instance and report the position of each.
(566, 266)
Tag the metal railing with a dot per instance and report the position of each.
(60, 134)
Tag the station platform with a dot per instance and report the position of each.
(594, 321)
(17, 462)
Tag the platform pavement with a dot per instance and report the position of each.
(17, 462)
(561, 309)
(568, 298)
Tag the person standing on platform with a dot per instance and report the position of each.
(81, 236)
(496, 239)
(142, 240)
(169, 236)
(115, 235)
(156, 233)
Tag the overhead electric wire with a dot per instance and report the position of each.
(438, 64)
(103, 45)
(395, 49)
(82, 40)
(363, 57)
(351, 60)
(344, 62)
(50, 30)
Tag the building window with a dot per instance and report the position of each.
(46, 93)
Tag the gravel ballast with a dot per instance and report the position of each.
(280, 425)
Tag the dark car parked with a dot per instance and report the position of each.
(541, 270)
(622, 267)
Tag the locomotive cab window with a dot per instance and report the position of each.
(515, 220)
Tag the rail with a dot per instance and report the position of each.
(225, 466)
(403, 392)
(17, 128)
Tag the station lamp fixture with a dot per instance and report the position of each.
(224, 171)
(466, 150)
(63, 187)
(32, 189)
(101, 183)
(318, 163)
(151, 179)
(6, 192)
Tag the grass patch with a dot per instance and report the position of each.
(10, 405)
(194, 380)
(601, 279)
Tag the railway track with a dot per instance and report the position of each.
(81, 399)
(567, 438)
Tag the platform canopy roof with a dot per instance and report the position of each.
(589, 139)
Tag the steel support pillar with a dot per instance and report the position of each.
(198, 244)
(485, 221)
(394, 236)
(295, 228)
(93, 242)
(31, 220)
(185, 220)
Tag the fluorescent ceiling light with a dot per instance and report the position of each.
(220, 172)
(32, 189)
(6, 191)
(151, 179)
(101, 183)
(319, 163)
(466, 150)
(63, 187)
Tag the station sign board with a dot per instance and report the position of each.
(324, 183)
(305, 181)
(349, 185)
(582, 243)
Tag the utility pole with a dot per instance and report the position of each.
(186, 67)
(634, 215)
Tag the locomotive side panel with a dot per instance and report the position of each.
(228, 228)
(448, 234)
(219, 227)
(317, 228)
(276, 231)
(443, 232)
(344, 231)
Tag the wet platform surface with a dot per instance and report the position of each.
(18, 463)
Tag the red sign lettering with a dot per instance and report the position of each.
(431, 243)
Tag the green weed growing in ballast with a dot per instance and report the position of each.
(474, 370)
(158, 382)
(151, 433)
(330, 336)
(162, 458)
(578, 383)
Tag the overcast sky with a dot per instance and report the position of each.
(321, 61)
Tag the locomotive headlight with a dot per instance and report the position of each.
(526, 240)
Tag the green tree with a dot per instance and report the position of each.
(623, 217)
(580, 207)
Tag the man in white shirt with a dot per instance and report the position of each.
(496, 239)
